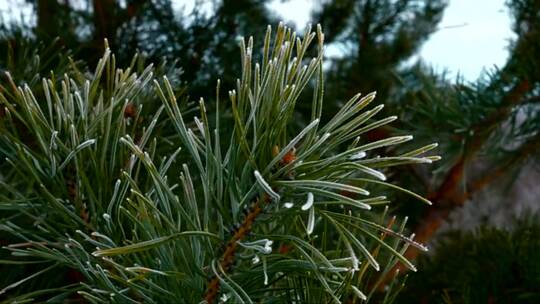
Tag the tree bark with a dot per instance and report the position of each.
(451, 193)
(46, 13)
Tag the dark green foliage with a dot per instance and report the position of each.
(51, 183)
(524, 60)
(29, 61)
(489, 265)
(203, 41)
(488, 130)
(91, 193)
(377, 37)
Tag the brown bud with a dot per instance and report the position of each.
(289, 157)
(130, 111)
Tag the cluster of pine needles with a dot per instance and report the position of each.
(114, 189)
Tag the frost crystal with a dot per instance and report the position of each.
(309, 202)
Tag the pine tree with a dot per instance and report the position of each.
(202, 40)
(489, 128)
(110, 194)
(376, 38)
(458, 271)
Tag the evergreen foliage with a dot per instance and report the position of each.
(202, 40)
(488, 128)
(377, 38)
(113, 192)
(83, 135)
(486, 266)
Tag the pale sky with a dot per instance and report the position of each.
(473, 34)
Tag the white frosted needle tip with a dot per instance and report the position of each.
(358, 293)
(311, 221)
(309, 202)
(358, 155)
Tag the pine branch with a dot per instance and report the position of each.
(138, 227)
(449, 194)
(230, 251)
(529, 148)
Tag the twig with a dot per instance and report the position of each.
(228, 256)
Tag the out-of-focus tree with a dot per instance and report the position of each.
(376, 38)
(489, 129)
(489, 265)
(202, 40)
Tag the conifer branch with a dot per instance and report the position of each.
(103, 160)
(230, 250)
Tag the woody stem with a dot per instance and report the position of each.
(228, 256)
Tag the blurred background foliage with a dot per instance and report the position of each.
(486, 266)
(488, 129)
